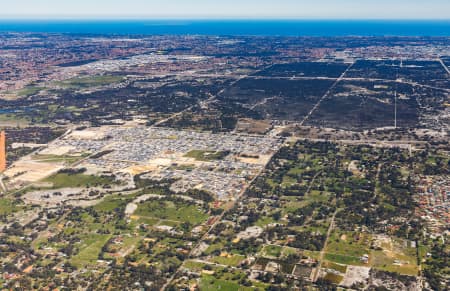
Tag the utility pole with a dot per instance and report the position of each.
(2, 151)
(2, 159)
(395, 111)
(395, 99)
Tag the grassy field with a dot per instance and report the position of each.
(128, 244)
(63, 180)
(395, 255)
(29, 90)
(210, 283)
(67, 159)
(311, 254)
(272, 251)
(321, 227)
(231, 260)
(264, 221)
(214, 247)
(288, 181)
(110, 203)
(407, 265)
(90, 248)
(349, 244)
(206, 155)
(336, 279)
(318, 196)
(194, 266)
(86, 82)
(292, 204)
(288, 251)
(149, 221)
(169, 210)
(344, 259)
(334, 266)
(7, 206)
(12, 119)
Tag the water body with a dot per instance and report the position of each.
(234, 27)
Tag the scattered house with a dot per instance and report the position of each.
(10, 276)
(28, 269)
(250, 232)
(208, 272)
(365, 259)
(196, 231)
(273, 267)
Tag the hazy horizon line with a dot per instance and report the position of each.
(147, 18)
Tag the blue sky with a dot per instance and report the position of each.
(345, 9)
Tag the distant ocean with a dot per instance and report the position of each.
(234, 27)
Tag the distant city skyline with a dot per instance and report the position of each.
(211, 9)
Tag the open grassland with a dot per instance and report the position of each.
(272, 251)
(26, 91)
(67, 159)
(7, 206)
(171, 211)
(344, 259)
(90, 247)
(63, 180)
(29, 90)
(390, 254)
(347, 248)
(209, 283)
(334, 266)
(113, 203)
(229, 260)
(349, 244)
(396, 263)
(395, 255)
(230, 281)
